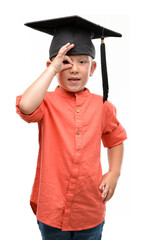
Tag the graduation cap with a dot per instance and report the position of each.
(79, 31)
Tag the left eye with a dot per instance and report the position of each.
(82, 61)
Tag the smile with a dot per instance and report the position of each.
(73, 81)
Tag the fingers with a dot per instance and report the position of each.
(61, 61)
(107, 192)
(104, 188)
(63, 50)
(109, 195)
(107, 186)
(67, 63)
(68, 60)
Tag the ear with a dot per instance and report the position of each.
(48, 63)
(93, 67)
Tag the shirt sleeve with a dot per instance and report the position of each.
(36, 116)
(113, 132)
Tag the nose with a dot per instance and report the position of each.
(74, 68)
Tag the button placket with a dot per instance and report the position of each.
(75, 167)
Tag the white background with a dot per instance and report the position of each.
(23, 55)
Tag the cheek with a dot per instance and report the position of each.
(86, 72)
(62, 75)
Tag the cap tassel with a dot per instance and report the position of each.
(104, 70)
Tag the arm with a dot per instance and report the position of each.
(34, 95)
(109, 179)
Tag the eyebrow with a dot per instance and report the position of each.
(84, 56)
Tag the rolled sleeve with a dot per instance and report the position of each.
(36, 116)
(113, 132)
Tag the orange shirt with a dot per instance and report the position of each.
(65, 192)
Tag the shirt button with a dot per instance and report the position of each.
(77, 110)
(78, 132)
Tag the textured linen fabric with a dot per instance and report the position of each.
(65, 191)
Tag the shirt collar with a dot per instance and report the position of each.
(84, 93)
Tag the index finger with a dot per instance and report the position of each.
(63, 50)
(67, 59)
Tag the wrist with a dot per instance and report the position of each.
(52, 69)
(115, 173)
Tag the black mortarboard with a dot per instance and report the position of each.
(79, 31)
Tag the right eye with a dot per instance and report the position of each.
(65, 62)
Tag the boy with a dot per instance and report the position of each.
(69, 192)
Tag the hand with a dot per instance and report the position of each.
(108, 185)
(62, 61)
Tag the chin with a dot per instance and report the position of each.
(66, 89)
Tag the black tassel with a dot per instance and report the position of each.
(104, 71)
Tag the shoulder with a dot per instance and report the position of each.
(109, 109)
(97, 98)
(107, 106)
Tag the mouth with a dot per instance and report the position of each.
(74, 79)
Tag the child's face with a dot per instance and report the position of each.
(82, 68)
